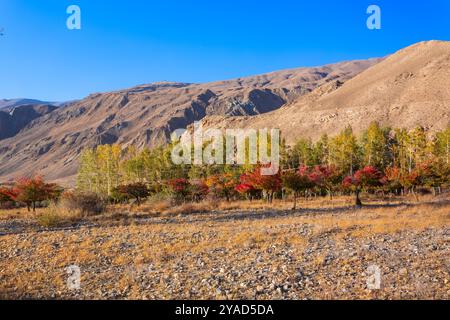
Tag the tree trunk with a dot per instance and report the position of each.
(295, 202)
(34, 207)
(358, 202)
(330, 193)
(414, 194)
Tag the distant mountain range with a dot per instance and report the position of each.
(406, 89)
(9, 104)
(16, 114)
(13, 103)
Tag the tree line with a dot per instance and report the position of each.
(381, 159)
(385, 160)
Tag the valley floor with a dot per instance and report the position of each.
(326, 252)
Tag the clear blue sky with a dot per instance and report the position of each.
(125, 43)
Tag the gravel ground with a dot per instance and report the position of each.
(309, 254)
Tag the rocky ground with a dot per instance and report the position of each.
(328, 253)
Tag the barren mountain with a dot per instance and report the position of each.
(146, 115)
(14, 119)
(407, 89)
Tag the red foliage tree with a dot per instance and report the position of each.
(245, 188)
(179, 188)
(6, 195)
(33, 190)
(297, 182)
(326, 178)
(137, 191)
(222, 185)
(366, 178)
(270, 184)
(394, 179)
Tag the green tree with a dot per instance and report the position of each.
(88, 178)
(345, 152)
(375, 144)
(441, 145)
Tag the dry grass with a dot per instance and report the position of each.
(19, 213)
(55, 216)
(371, 221)
(117, 250)
(164, 207)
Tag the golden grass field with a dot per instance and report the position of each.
(238, 250)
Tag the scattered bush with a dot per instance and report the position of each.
(85, 203)
(55, 215)
(179, 189)
(198, 190)
(49, 219)
(137, 191)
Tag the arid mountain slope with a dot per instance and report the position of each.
(14, 119)
(147, 115)
(407, 89)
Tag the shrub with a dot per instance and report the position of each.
(137, 191)
(55, 215)
(198, 190)
(49, 218)
(179, 189)
(85, 203)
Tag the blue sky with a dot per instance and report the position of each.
(126, 43)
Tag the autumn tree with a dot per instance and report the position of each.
(6, 195)
(375, 145)
(137, 191)
(179, 189)
(108, 165)
(441, 146)
(296, 182)
(198, 190)
(417, 147)
(364, 179)
(345, 153)
(394, 179)
(33, 190)
(326, 178)
(88, 178)
(222, 185)
(245, 187)
(269, 184)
